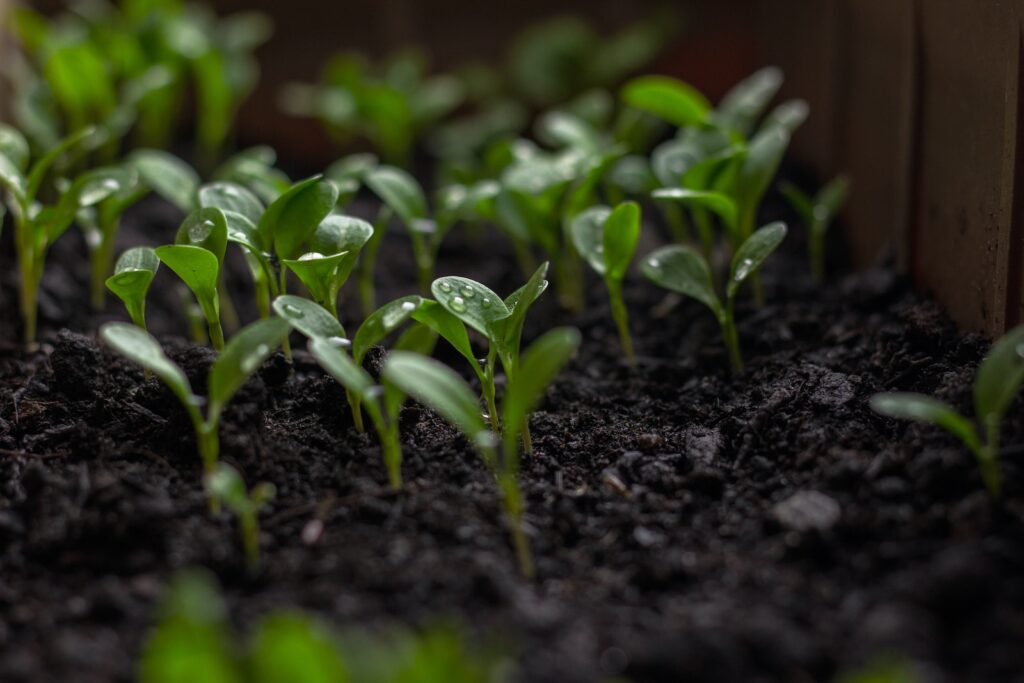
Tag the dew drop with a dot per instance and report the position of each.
(311, 256)
(654, 263)
(445, 287)
(468, 292)
(252, 361)
(293, 310)
(485, 302)
(459, 304)
(743, 269)
(409, 306)
(339, 342)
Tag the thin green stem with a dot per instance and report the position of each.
(216, 333)
(621, 317)
(249, 528)
(489, 391)
(731, 337)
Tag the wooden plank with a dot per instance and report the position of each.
(873, 112)
(960, 232)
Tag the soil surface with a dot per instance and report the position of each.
(687, 525)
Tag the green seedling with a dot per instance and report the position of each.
(998, 381)
(607, 240)
(38, 226)
(253, 168)
(817, 213)
(335, 247)
(168, 176)
(245, 353)
(682, 269)
(499, 321)
(444, 391)
(328, 344)
(404, 196)
(132, 277)
(347, 174)
(196, 258)
(193, 641)
(225, 484)
(667, 98)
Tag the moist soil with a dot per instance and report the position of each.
(687, 525)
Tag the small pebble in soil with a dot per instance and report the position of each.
(807, 511)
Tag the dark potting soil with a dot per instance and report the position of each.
(687, 525)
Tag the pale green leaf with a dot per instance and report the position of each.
(753, 252)
(682, 269)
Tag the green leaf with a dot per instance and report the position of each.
(400, 191)
(999, 377)
(682, 269)
(132, 277)
(168, 176)
(242, 356)
(716, 202)
(89, 189)
(922, 408)
(14, 146)
(198, 268)
(206, 228)
(140, 347)
(667, 98)
(742, 106)
(621, 234)
(295, 648)
(753, 252)
(788, 116)
(342, 234)
(764, 154)
(72, 143)
(540, 364)
(830, 200)
(381, 323)
(291, 219)
(801, 202)
(231, 197)
(562, 129)
(632, 174)
(345, 370)
(309, 318)
(471, 302)
(12, 180)
(439, 388)
(587, 232)
(519, 302)
(318, 273)
(191, 642)
(434, 316)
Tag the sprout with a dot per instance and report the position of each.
(444, 391)
(607, 240)
(335, 245)
(667, 98)
(818, 213)
(225, 484)
(132, 277)
(998, 381)
(327, 343)
(241, 357)
(404, 196)
(500, 322)
(168, 176)
(196, 258)
(253, 168)
(348, 173)
(38, 226)
(683, 269)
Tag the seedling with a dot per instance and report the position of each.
(607, 239)
(196, 258)
(667, 98)
(817, 213)
(683, 269)
(253, 168)
(241, 357)
(501, 324)
(335, 248)
(444, 391)
(224, 483)
(998, 381)
(132, 277)
(404, 196)
(38, 226)
(327, 343)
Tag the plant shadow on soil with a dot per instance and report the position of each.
(687, 525)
